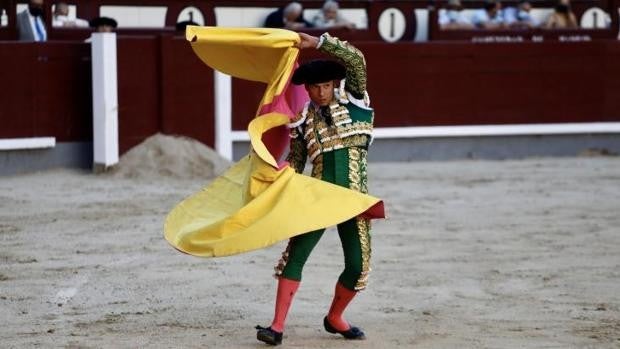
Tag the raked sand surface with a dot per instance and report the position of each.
(475, 254)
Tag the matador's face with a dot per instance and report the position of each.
(321, 93)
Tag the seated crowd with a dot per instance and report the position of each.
(493, 16)
(291, 17)
(31, 26)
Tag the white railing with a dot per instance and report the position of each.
(27, 143)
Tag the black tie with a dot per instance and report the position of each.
(326, 114)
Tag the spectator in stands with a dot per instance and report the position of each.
(103, 24)
(563, 17)
(329, 17)
(30, 24)
(490, 17)
(452, 16)
(61, 17)
(520, 17)
(289, 17)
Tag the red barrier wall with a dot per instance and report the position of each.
(45, 91)
(187, 92)
(164, 87)
(464, 84)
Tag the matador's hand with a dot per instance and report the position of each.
(307, 41)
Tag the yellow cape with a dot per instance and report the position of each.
(259, 200)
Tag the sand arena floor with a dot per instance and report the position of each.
(475, 254)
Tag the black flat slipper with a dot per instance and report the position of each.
(352, 333)
(269, 336)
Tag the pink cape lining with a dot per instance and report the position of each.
(289, 103)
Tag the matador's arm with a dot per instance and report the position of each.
(351, 58)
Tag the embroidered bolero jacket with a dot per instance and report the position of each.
(351, 116)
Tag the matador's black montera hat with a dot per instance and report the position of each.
(318, 71)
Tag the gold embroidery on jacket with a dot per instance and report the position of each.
(317, 167)
(321, 138)
(279, 268)
(363, 229)
(354, 169)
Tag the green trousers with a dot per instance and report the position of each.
(347, 168)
